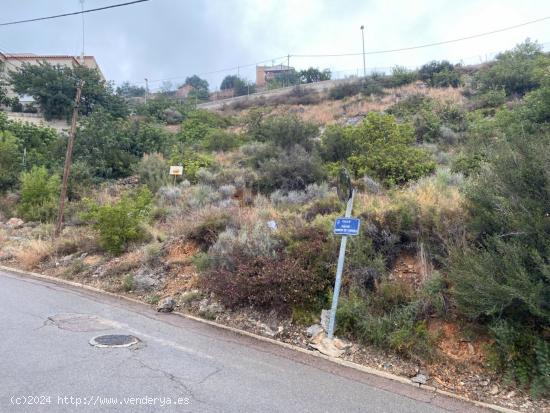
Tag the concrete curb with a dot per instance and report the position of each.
(349, 364)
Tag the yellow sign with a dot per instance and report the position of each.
(176, 170)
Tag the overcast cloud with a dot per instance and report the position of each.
(172, 39)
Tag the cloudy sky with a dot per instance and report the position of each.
(172, 39)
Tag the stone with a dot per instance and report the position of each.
(341, 344)
(166, 305)
(317, 338)
(15, 223)
(144, 281)
(511, 394)
(494, 390)
(484, 383)
(471, 349)
(327, 347)
(419, 379)
(209, 309)
(325, 319)
(313, 330)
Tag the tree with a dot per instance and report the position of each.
(54, 89)
(127, 90)
(4, 100)
(240, 86)
(200, 87)
(312, 75)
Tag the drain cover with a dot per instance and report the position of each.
(114, 340)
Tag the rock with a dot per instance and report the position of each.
(31, 224)
(313, 330)
(471, 349)
(327, 347)
(511, 394)
(66, 259)
(317, 338)
(341, 344)
(166, 305)
(208, 309)
(15, 223)
(419, 379)
(144, 281)
(494, 390)
(272, 225)
(325, 319)
(484, 383)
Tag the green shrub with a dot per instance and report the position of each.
(153, 171)
(293, 170)
(440, 74)
(282, 131)
(221, 140)
(344, 90)
(399, 330)
(503, 277)
(401, 76)
(121, 222)
(386, 151)
(10, 161)
(521, 356)
(39, 195)
(514, 71)
(128, 283)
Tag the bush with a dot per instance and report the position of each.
(153, 171)
(386, 151)
(207, 228)
(503, 278)
(10, 161)
(290, 171)
(400, 330)
(121, 222)
(344, 90)
(39, 195)
(283, 131)
(221, 140)
(296, 277)
(439, 74)
(514, 71)
(401, 76)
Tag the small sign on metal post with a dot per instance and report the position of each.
(347, 226)
(176, 171)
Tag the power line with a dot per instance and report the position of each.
(402, 49)
(73, 13)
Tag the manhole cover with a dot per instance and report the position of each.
(114, 340)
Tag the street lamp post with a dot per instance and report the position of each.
(363, 37)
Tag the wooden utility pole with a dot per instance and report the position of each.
(68, 160)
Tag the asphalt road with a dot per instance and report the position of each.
(46, 360)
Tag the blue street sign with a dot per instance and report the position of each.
(347, 226)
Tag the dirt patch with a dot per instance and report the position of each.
(408, 268)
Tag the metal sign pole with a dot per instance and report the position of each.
(339, 270)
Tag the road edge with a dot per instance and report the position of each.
(345, 363)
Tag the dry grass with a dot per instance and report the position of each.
(331, 111)
(3, 237)
(32, 253)
(72, 240)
